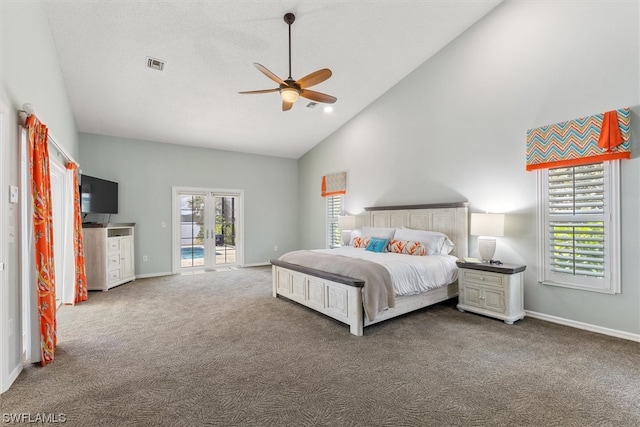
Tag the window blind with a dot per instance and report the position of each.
(576, 220)
(334, 210)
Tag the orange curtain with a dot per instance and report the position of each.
(78, 242)
(43, 236)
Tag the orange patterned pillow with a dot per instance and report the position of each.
(408, 247)
(361, 242)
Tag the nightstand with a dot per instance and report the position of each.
(492, 290)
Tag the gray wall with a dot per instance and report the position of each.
(30, 73)
(455, 129)
(146, 172)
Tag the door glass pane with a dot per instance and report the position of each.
(225, 229)
(192, 230)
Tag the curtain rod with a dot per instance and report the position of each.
(30, 110)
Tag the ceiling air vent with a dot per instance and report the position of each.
(155, 64)
(312, 105)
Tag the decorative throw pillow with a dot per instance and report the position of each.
(436, 243)
(377, 245)
(408, 247)
(361, 242)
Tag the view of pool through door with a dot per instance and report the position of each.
(209, 229)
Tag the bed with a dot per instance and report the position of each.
(346, 298)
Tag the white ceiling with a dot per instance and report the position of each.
(210, 47)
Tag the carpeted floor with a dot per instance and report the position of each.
(217, 349)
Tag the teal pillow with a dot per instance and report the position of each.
(377, 244)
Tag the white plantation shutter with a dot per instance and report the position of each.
(334, 210)
(579, 227)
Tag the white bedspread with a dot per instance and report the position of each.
(410, 274)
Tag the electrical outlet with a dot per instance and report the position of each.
(13, 194)
(275, 248)
(163, 224)
(145, 258)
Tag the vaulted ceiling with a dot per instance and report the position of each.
(209, 48)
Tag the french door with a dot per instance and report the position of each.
(209, 234)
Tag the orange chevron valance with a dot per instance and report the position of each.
(334, 184)
(580, 141)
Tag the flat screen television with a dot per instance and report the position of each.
(98, 195)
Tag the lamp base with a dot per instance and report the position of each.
(345, 237)
(486, 247)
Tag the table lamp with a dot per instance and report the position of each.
(346, 224)
(487, 227)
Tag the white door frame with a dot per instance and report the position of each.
(4, 289)
(175, 221)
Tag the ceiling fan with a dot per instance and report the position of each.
(291, 89)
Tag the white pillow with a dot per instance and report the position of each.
(355, 233)
(447, 246)
(381, 232)
(437, 243)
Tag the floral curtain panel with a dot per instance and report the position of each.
(80, 293)
(585, 140)
(43, 236)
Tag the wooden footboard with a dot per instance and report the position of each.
(340, 297)
(336, 296)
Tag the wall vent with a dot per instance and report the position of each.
(155, 64)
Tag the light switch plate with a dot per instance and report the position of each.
(13, 194)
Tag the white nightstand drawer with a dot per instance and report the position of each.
(482, 277)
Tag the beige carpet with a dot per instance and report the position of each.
(218, 349)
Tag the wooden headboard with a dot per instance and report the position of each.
(451, 219)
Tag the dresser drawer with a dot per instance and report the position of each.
(113, 262)
(113, 276)
(113, 245)
(482, 277)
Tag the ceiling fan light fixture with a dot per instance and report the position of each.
(289, 94)
(290, 89)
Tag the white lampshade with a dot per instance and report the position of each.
(491, 225)
(347, 222)
(488, 226)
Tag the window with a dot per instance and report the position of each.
(334, 210)
(579, 231)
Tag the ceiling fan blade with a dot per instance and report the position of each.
(286, 106)
(261, 91)
(269, 74)
(318, 96)
(314, 78)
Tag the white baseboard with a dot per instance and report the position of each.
(145, 276)
(257, 264)
(586, 326)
